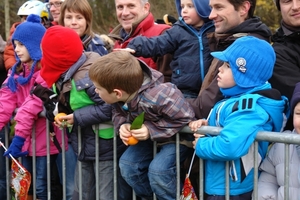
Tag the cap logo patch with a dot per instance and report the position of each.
(241, 63)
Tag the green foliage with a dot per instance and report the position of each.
(268, 13)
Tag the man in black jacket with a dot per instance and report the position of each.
(286, 43)
(235, 19)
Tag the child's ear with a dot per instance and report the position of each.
(118, 93)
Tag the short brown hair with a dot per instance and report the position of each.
(238, 3)
(117, 70)
(79, 6)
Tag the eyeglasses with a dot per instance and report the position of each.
(55, 4)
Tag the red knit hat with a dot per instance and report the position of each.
(61, 47)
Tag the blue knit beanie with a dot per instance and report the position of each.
(251, 61)
(30, 34)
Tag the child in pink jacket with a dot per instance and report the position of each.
(15, 95)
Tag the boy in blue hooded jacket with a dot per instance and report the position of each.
(250, 105)
(186, 41)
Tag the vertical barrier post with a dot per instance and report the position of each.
(255, 195)
(286, 171)
(97, 161)
(63, 143)
(177, 166)
(33, 175)
(7, 134)
(79, 165)
(115, 165)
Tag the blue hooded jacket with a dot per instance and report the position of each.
(254, 113)
(189, 47)
(202, 7)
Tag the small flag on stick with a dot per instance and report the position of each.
(20, 178)
(188, 192)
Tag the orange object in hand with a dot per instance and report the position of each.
(58, 116)
(132, 141)
(136, 124)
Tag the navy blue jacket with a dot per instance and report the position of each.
(190, 49)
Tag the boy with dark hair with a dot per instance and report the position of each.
(132, 88)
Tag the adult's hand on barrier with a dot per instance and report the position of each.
(15, 148)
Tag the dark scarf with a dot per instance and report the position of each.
(86, 40)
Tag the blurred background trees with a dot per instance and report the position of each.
(105, 18)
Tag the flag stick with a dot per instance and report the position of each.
(23, 170)
(190, 168)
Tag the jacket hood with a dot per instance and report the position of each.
(151, 77)
(253, 26)
(202, 7)
(271, 106)
(275, 106)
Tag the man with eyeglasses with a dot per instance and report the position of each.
(54, 8)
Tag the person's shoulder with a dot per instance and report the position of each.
(91, 56)
(162, 26)
(168, 90)
(14, 26)
(159, 28)
(108, 42)
(2, 44)
(97, 40)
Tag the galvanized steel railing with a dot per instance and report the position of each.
(261, 136)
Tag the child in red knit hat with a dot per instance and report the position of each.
(65, 67)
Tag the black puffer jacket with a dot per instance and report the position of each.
(286, 71)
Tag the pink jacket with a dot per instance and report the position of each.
(27, 116)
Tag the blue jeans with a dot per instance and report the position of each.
(71, 160)
(245, 196)
(89, 182)
(41, 174)
(2, 167)
(146, 174)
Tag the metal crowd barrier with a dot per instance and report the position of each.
(261, 136)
